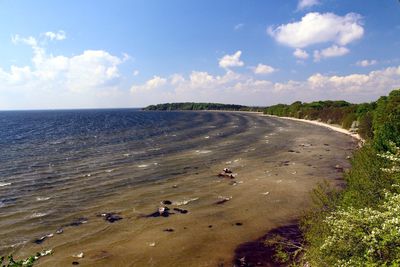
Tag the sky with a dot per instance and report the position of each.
(119, 54)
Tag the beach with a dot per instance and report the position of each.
(275, 163)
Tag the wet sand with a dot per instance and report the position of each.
(275, 171)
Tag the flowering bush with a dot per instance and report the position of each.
(367, 236)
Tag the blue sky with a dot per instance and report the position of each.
(106, 54)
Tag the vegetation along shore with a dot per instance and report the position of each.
(358, 225)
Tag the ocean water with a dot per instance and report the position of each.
(53, 163)
(61, 169)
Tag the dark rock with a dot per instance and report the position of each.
(222, 201)
(77, 222)
(226, 170)
(226, 175)
(166, 202)
(40, 240)
(210, 226)
(238, 224)
(182, 211)
(110, 217)
(75, 263)
(162, 212)
(168, 230)
(339, 168)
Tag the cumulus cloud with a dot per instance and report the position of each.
(229, 61)
(61, 81)
(58, 36)
(301, 54)
(151, 84)
(316, 28)
(263, 69)
(366, 63)
(244, 89)
(303, 4)
(333, 51)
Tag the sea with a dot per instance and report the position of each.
(62, 170)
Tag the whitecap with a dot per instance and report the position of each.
(143, 165)
(42, 198)
(4, 184)
(108, 171)
(203, 151)
(38, 214)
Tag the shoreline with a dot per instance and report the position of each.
(256, 252)
(322, 124)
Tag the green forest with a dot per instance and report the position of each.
(202, 106)
(359, 225)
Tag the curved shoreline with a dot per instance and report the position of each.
(256, 252)
(322, 124)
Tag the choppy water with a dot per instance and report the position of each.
(59, 166)
(53, 163)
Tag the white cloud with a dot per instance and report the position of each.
(263, 69)
(307, 3)
(301, 54)
(135, 72)
(228, 61)
(315, 28)
(244, 89)
(333, 51)
(238, 26)
(153, 83)
(84, 80)
(58, 36)
(366, 63)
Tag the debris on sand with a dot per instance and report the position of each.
(305, 145)
(60, 231)
(79, 255)
(184, 202)
(168, 230)
(265, 193)
(222, 200)
(227, 173)
(110, 217)
(152, 244)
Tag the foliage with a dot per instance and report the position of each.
(360, 225)
(364, 237)
(28, 262)
(334, 112)
(201, 106)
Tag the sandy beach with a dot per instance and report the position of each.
(275, 162)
